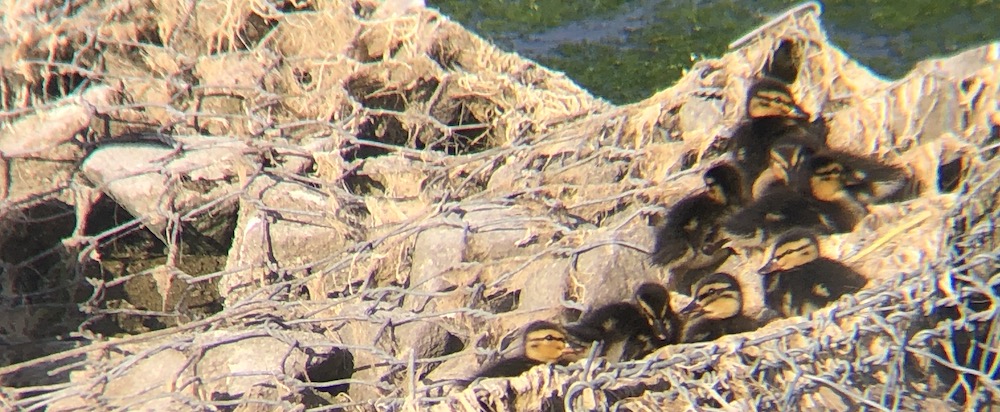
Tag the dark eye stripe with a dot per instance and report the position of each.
(553, 338)
(792, 251)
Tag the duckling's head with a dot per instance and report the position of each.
(545, 342)
(723, 181)
(829, 178)
(771, 98)
(792, 249)
(716, 296)
(654, 300)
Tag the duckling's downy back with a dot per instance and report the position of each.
(798, 280)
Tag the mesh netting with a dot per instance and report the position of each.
(349, 205)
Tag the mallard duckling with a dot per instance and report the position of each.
(869, 180)
(774, 118)
(785, 159)
(716, 310)
(630, 330)
(830, 183)
(798, 281)
(820, 201)
(688, 240)
(544, 342)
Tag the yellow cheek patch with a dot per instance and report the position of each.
(545, 346)
(723, 308)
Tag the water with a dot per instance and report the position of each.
(626, 50)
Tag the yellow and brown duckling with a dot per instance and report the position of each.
(798, 280)
(866, 179)
(817, 198)
(544, 343)
(716, 310)
(774, 118)
(630, 330)
(785, 160)
(689, 239)
(872, 181)
(830, 182)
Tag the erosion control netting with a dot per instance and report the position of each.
(327, 205)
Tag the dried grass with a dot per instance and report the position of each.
(403, 183)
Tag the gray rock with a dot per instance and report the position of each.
(281, 225)
(157, 183)
(175, 372)
(41, 132)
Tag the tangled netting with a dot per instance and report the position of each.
(333, 205)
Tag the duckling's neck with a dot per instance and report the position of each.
(775, 123)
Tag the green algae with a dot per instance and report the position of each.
(649, 53)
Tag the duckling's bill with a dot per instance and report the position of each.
(692, 309)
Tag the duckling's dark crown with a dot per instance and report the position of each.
(768, 84)
(723, 173)
(796, 234)
(718, 277)
(653, 294)
(540, 325)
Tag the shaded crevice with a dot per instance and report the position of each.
(470, 131)
(338, 366)
(784, 62)
(951, 175)
(503, 303)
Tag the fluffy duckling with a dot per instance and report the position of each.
(785, 159)
(816, 198)
(866, 179)
(871, 180)
(630, 330)
(544, 342)
(688, 240)
(830, 182)
(798, 281)
(775, 118)
(716, 310)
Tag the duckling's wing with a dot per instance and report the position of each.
(800, 292)
(639, 347)
(838, 278)
(610, 322)
(879, 181)
(750, 152)
(688, 223)
(841, 216)
(774, 213)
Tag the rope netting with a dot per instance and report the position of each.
(329, 205)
